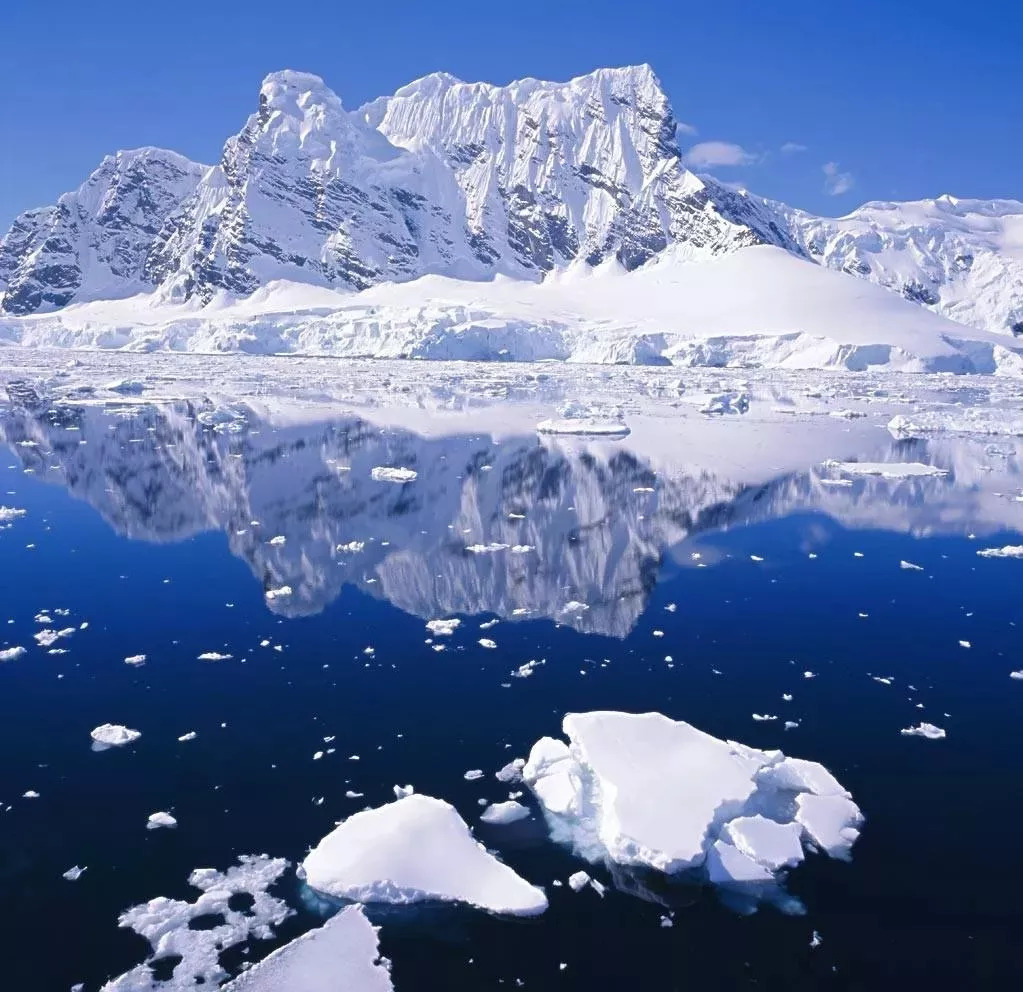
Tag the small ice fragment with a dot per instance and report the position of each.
(31, 794)
(815, 940)
(1016, 675)
(1009, 551)
(113, 735)
(443, 628)
(763, 717)
(578, 881)
(158, 820)
(786, 697)
(400, 475)
(506, 812)
(281, 592)
(928, 730)
(73, 874)
(791, 724)
(353, 795)
(190, 736)
(9, 654)
(658, 633)
(472, 775)
(401, 791)
(317, 756)
(135, 659)
(910, 567)
(755, 558)
(214, 656)
(809, 675)
(511, 772)
(964, 644)
(277, 541)
(486, 642)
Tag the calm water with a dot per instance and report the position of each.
(141, 522)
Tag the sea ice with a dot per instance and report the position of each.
(888, 470)
(73, 874)
(9, 654)
(161, 819)
(578, 881)
(928, 730)
(9, 514)
(506, 812)
(486, 642)
(213, 656)
(112, 735)
(1009, 551)
(648, 792)
(414, 849)
(165, 925)
(910, 567)
(401, 475)
(443, 628)
(135, 659)
(343, 955)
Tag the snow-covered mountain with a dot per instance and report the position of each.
(960, 258)
(398, 228)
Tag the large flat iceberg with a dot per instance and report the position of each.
(646, 792)
(412, 850)
(341, 956)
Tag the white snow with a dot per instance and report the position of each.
(343, 955)
(928, 730)
(113, 735)
(416, 848)
(644, 791)
(506, 812)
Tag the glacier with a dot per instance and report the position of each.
(529, 222)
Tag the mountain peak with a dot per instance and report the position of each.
(295, 93)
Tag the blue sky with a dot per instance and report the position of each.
(821, 104)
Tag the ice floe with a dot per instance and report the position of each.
(1009, 551)
(8, 514)
(506, 812)
(213, 656)
(135, 659)
(584, 427)
(928, 730)
(401, 475)
(108, 735)
(888, 470)
(73, 874)
(415, 849)
(443, 628)
(343, 955)
(164, 923)
(646, 792)
(9, 654)
(161, 820)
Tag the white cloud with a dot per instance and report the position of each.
(681, 128)
(707, 154)
(836, 182)
(792, 148)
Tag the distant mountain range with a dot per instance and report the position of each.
(470, 181)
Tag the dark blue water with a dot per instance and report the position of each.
(931, 898)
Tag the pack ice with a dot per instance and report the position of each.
(646, 792)
(416, 849)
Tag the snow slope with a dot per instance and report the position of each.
(761, 306)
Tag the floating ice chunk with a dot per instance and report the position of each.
(46, 638)
(928, 730)
(815, 937)
(763, 717)
(726, 864)
(486, 642)
(190, 736)
(755, 558)
(791, 724)
(723, 403)
(401, 791)
(73, 874)
(443, 628)
(416, 848)
(165, 925)
(30, 794)
(473, 775)
(486, 549)
(1016, 675)
(574, 606)
(965, 644)
(888, 470)
(648, 792)
(8, 514)
(161, 819)
(341, 956)
(351, 548)
(281, 592)
(400, 475)
(910, 567)
(506, 812)
(135, 659)
(9, 654)
(578, 881)
(511, 772)
(214, 656)
(112, 735)
(127, 387)
(1009, 551)
(279, 541)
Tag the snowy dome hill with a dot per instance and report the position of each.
(461, 220)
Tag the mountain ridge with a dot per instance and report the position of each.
(471, 181)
